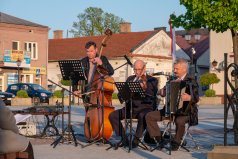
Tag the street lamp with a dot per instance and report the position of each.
(193, 54)
(194, 62)
(216, 67)
(18, 69)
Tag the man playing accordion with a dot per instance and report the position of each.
(186, 111)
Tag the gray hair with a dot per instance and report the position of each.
(182, 61)
(141, 62)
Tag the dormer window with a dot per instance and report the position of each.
(197, 37)
(188, 37)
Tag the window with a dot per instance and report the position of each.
(14, 87)
(187, 37)
(15, 45)
(24, 87)
(197, 37)
(32, 48)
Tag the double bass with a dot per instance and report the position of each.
(97, 124)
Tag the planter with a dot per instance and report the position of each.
(52, 101)
(21, 101)
(210, 100)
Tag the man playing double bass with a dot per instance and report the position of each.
(90, 61)
(140, 107)
(97, 69)
(181, 72)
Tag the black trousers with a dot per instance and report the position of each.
(118, 115)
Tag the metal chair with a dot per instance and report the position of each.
(169, 130)
(182, 144)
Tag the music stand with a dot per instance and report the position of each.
(70, 70)
(129, 91)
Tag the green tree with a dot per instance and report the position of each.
(58, 94)
(217, 15)
(208, 79)
(94, 21)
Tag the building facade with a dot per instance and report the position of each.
(220, 43)
(154, 47)
(23, 51)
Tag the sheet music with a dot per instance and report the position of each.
(20, 118)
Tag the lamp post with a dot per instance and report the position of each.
(214, 66)
(194, 62)
(18, 69)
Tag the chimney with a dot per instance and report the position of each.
(58, 34)
(125, 27)
(160, 28)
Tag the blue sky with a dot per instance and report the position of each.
(60, 14)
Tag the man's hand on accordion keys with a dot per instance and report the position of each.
(185, 97)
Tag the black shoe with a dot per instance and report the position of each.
(118, 144)
(174, 146)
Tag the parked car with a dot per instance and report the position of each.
(34, 91)
(6, 97)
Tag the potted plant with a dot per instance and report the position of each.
(58, 94)
(22, 99)
(208, 79)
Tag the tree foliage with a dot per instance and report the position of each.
(208, 79)
(94, 21)
(58, 94)
(216, 15)
(65, 82)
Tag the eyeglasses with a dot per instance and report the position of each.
(137, 69)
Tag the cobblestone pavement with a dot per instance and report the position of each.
(207, 133)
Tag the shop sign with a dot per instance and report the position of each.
(11, 57)
(35, 70)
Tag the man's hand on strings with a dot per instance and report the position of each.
(97, 60)
(77, 93)
(185, 97)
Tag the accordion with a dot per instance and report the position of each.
(174, 89)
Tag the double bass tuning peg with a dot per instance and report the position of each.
(108, 32)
